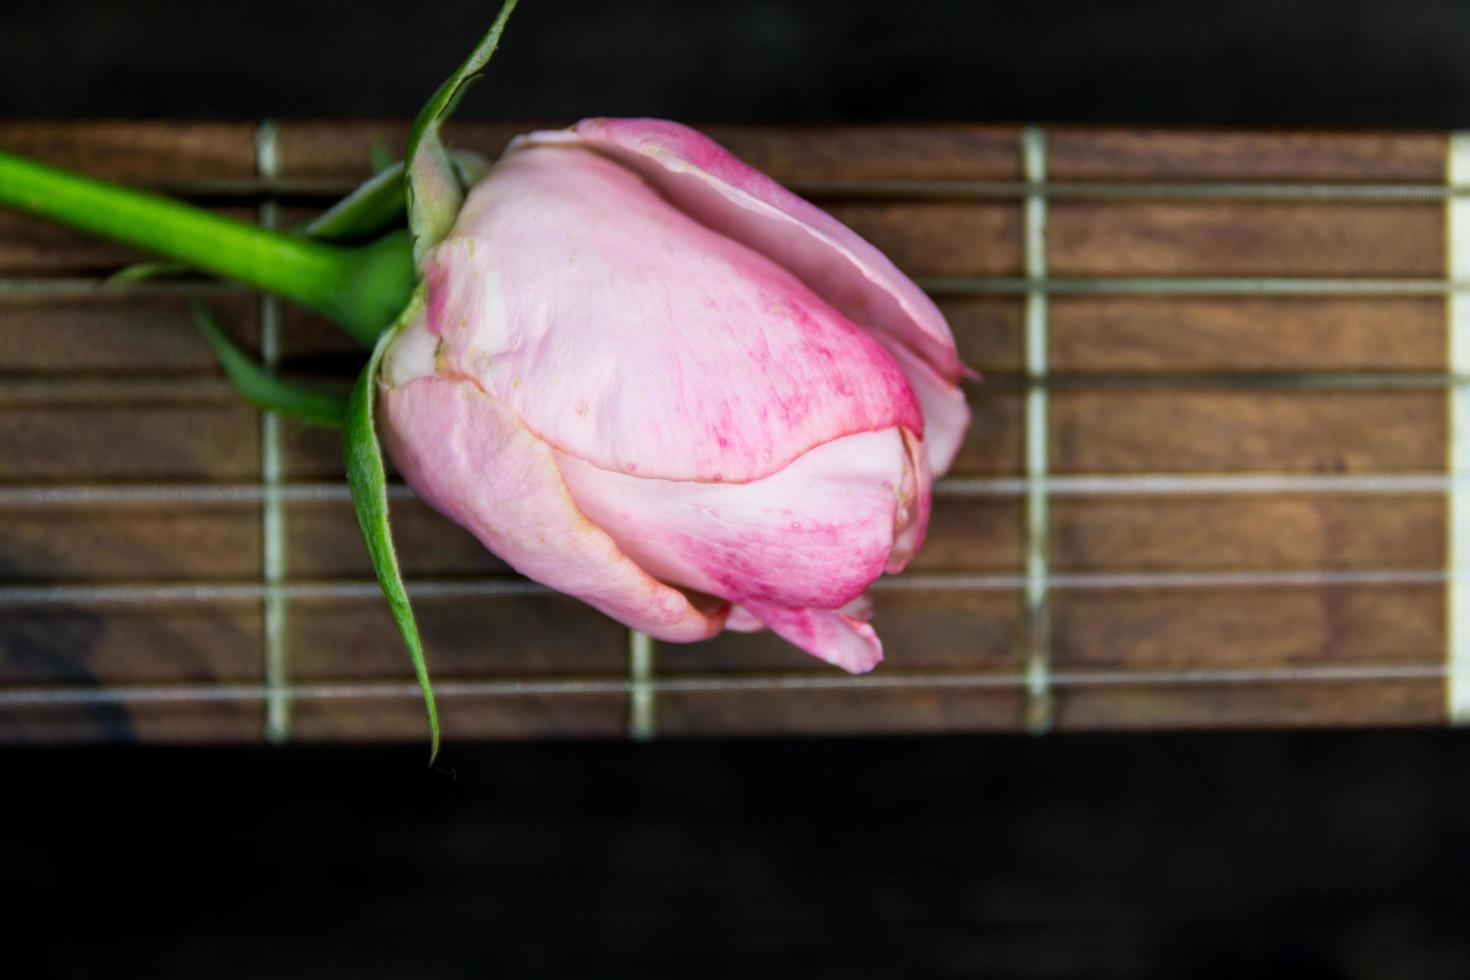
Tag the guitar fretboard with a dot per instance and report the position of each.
(1211, 482)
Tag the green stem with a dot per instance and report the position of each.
(362, 289)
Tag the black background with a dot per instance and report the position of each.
(1288, 62)
(1271, 854)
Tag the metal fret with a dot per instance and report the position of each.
(1040, 709)
(274, 561)
(1457, 456)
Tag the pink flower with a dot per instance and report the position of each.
(650, 377)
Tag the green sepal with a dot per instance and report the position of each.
(377, 205)
(434, 191)
(266, 391)
(368, 481)
(469, 166)
(374, 207)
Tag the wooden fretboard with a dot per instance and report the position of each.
(1209, 482)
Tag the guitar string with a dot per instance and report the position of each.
(75, 288)
(48, 496)
(167, 391)
(312, 189)
(673, 684)
(194, 593)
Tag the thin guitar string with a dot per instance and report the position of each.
(168, 391)
(23, 290)
(61, 696)
(196, 593)
(938, 189)
(45, 496)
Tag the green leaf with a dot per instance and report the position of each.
(434, 191)
(369, 483)
(260, 387)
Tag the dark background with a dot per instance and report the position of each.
(1271, 854)
(1276, 62)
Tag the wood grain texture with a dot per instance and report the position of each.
(1242, 430)
(1095, 153)
(1259, 532)
(1151, 238)
(114, 389)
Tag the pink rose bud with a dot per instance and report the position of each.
(650, 377)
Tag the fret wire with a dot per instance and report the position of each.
(642, 718)
(1457, 456)
(274, 561)
(58, 696)
(1039, 708)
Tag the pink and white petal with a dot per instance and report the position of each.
(911, 520)
(946, 413)
(470, 458)
(817, 533)
(827, 634)
(860, 609)
(726, 194)
(624, 332)
(741, 621)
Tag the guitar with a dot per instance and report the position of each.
(1219, 474)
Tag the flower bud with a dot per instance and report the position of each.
(650, 377)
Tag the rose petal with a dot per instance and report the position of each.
(623, 332)
(946, 415)
(815, 534)
(467, 455)
(911, 522)
(740, 621)
(736, 200)
(828, 634)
